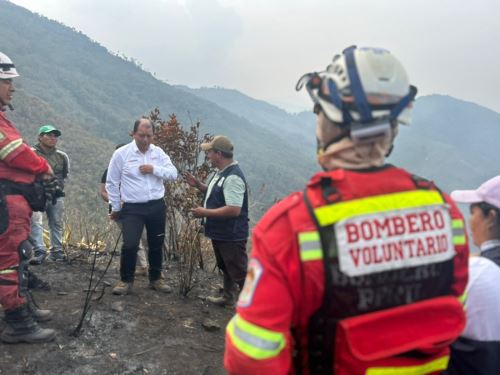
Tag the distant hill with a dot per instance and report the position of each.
(88, 88)
(296, 129)
(451, 141)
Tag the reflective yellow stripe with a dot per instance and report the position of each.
(458, 232)
(333, 213)
(457, 223)
(436, 365)
(463, 298)
(310, 246)
(9, 270)
(11, 146)
(254, 341)
(308, 236)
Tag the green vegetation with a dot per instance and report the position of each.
(94, 97)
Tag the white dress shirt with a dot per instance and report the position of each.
(126, 184)
(482, 303)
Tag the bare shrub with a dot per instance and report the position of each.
(183, 230)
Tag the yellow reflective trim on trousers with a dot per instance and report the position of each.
(436, 365)
(11, 146)
(310, 246)
(333, 213)
(254, 341)
(7, 271)
(459, 240)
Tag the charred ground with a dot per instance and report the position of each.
(142, 333)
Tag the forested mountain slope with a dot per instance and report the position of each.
(80, 85)
(95, 96)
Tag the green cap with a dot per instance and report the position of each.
(48, 129)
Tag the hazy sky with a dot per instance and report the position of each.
(261, 47)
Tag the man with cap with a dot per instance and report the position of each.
(477, 350)
(344, 277)
(46, 148)
(19, 167)
(225, 213)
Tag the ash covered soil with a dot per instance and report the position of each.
(155, 333)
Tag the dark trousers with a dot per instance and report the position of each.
(134, 216)
(232, 260)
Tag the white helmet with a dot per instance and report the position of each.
(7, 68)
(364, 90)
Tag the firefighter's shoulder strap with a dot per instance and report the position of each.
(321, 327)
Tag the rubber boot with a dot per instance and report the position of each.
(228, 297)
(34, 282)
(21, 327)
(40, 315)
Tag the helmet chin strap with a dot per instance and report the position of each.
(3, 105)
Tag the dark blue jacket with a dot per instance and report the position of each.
(492, 254)
(230, 228)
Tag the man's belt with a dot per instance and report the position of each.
(147, 202)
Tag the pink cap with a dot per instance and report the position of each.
(488, 192)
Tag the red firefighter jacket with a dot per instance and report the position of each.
(285, 280)
(18, 162)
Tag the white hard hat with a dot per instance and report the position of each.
(360, 87)
(7, 68)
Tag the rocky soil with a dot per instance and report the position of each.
(142, 333)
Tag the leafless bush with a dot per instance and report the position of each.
(183, 230)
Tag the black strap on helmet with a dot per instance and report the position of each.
(6, 67)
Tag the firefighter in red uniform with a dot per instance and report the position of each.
(361, 273)
(19, 166)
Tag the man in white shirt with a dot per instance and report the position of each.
(136, 174)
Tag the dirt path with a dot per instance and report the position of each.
(154, 334)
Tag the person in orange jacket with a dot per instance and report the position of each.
(361, 273)
(19, 166)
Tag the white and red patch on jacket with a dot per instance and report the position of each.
(394, 239)
(252, 280)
